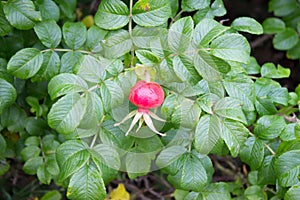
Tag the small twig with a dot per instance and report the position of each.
(67, 50)
(259, 41)
(130, 32)
(175, 18)
(266, 145)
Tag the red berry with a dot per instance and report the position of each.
(146, 95)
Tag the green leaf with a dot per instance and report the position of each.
(283, 7)
(21, 14)
(66, 84)
(294, 53)
(31, 166)
(273, 25)
(151, 12)
(252, 153)
(111, 94)
(147, 57)
(43, 175)
(48, 9)
(52, 195)
(186, 114)
(287, 168)
(5, 26)
(142, 36)
(216, 191)
(185, 70)
(207, 133)
(114, 136)
(269, 126)
(35, 126)
(67, 8)
(180, 34)
(207, 101)
(169, 155)
(25, 63)
(232, 47)
(252, 67)
(270, 89)
(3, 144)
(94, 37)
(92, 69)
(112, 14)
(191, 176)
(113, 66)
(93, 115)
(30, 152)
(8, 94)
(86, 183)
(247, 24)
(217, 8)
(108, 155)
(66, 114)
(207, 30)
(50, 67)
(74, 34)
(210, 67)
(138, 163)
(3, 71)
(4, 166)
(230, 108)
(166, 71)
(70, 62)
(293, 193)
(286, 39)
(13, 118)
(235, 135)
(49, 33)
(71, 156)
(265, 106)
(255, 192)
(192, 5)
(269, 70)
(116, 43)
(242, 88)
(107, 173)
(266, 171)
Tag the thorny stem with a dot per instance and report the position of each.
(130, 31)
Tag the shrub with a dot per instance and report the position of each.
(64, 86)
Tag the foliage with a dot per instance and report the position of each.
(63, 87)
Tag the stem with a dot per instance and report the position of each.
(269, 148)
(176, 16)
(266, 145)
(96, 135)
(130, 31)
(93, 88)
(41, 145)
(191, 141)
(67, 50)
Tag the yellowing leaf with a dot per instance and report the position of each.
(119, 193)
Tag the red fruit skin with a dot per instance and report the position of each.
(146, 95)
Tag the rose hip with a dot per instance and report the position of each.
(145, 95)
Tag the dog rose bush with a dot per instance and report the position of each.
(63, 88)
